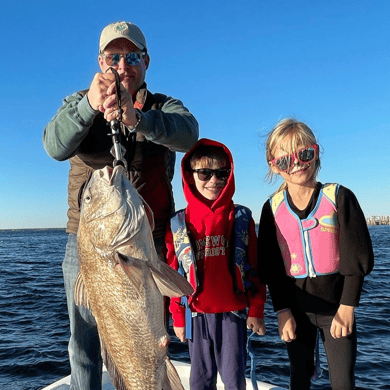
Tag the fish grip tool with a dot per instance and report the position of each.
(118, 150)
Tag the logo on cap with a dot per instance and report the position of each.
(121, 27)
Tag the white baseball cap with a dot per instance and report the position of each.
(125, 30)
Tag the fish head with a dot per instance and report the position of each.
(112, 211)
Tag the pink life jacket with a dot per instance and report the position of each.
(310, 247)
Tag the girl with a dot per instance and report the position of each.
(314, 249)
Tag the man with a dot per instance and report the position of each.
(154, 126)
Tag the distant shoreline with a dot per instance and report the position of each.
(32, 229)
(378, 220)
(257, 226)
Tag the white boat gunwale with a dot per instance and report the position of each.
(182, 368)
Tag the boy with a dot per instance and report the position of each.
(213, 242)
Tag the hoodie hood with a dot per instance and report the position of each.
(194, 198)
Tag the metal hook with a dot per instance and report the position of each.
(118, 150)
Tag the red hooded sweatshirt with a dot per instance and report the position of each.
(210, 224)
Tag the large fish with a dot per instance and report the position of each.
(122, 281)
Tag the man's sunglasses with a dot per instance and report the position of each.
(304, 156)
(205, 174)
(132, 58)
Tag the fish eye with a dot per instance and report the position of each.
(87, 198)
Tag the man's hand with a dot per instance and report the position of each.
(287, 326)
(342, 324)
(256, 324)
(110, 106)
(97, 93)
(180, 333)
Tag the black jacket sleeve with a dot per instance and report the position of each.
(355, 247)
(270, 261)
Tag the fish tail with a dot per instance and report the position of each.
(172, 380)
(115, 376)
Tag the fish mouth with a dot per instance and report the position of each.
(109, 178)
(112, 173)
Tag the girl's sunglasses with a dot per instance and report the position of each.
(205, 174)
(304, 156)
(132, 58)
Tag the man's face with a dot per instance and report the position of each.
(132, 76)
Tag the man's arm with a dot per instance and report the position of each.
(69, 127)
(173, 126)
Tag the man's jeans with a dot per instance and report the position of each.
(84, 345)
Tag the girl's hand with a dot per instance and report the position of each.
(256, 324)
(342, 324)
(180, 333)
(287, 326)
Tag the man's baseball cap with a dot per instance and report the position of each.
(122, 30)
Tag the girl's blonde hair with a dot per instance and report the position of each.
(300, 133)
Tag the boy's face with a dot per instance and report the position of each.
(211, 188)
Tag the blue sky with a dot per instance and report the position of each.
(238, 66)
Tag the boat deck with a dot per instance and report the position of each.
(182, 368)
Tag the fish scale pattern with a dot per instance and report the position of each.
(121, 276)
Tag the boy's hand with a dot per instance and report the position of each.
(342, 324)
(287, 326)
(180, 333)
(256, 324)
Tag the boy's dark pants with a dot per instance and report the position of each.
(218, 345)
(341, 353)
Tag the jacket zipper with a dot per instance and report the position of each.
(311, 272)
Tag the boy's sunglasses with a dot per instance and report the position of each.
(303, 155)
(205, 174)
(132, 58)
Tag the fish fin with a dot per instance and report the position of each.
(149, 214)
(80, 293)
(170, 282)
(116, 377)
(131, 269)
(172, 380)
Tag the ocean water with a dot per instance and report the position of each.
(34, 321)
